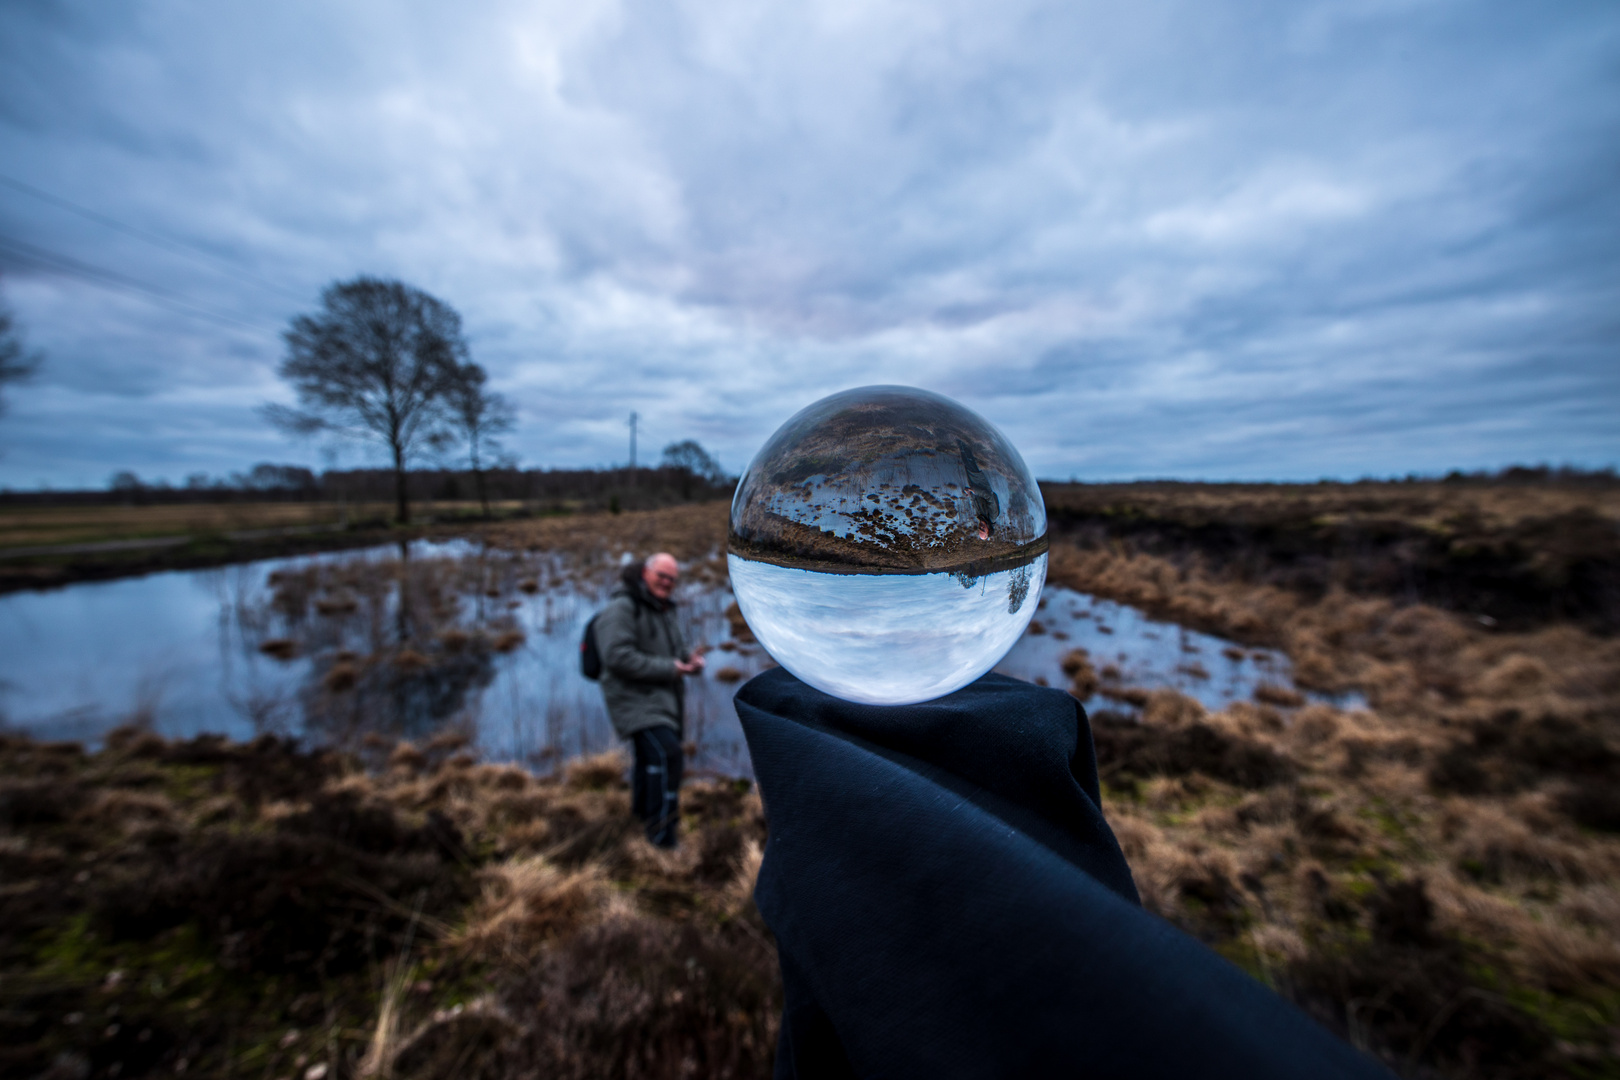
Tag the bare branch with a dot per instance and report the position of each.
(478, 414)
(17, 364)
(294, 422)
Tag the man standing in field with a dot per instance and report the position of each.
(644, 659)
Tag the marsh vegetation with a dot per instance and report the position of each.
(215, 909)
(1435, 876)
(1410, 827)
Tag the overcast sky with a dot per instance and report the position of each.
(1166, 238)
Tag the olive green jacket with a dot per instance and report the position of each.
(639, 644)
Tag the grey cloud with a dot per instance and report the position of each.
(1253, 239)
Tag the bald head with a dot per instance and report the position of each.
(660, 573)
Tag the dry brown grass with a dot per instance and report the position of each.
(28, 526)
(1523, 553)
(1436, 876)
(411, 913)
(528, 903)
(588, 935)
(1427, 504)
(694, 534)
(507, 641)
(280, 648)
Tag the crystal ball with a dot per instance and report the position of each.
(887, 545)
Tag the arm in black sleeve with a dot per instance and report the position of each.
(948, 900)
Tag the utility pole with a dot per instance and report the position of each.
(633, 444)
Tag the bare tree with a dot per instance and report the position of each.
(690, 455)
(695, 463)
(378, 361)
(17, 364)
(479, 414)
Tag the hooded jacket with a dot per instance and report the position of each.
(639, 640)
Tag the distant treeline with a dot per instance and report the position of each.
(538, 490)
(598, 488)
(1533, 475)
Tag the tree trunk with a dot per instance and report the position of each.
(402, 510)
(402, 612)
(478, 478)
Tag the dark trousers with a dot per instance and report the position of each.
(655, 786)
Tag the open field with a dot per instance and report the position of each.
(49, 546)
(1435, 876)
(1521, 554)
(1438, 505)
(693, 532)
(43, 523)
(39, 526)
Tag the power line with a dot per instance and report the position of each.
(180, 247)
(66, 264)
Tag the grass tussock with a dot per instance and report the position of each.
(205, 908)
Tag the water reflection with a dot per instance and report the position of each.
(396, 641)
(404, 642)
(1133, 653)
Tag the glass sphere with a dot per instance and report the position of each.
(887, 545)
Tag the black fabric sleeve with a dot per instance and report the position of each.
(948, 901)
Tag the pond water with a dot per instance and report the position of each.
(331, 647)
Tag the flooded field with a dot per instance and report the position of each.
(1401, 812)
(451, 635)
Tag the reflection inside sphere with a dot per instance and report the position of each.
(885, 543)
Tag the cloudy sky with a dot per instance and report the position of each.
(1189, 238)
